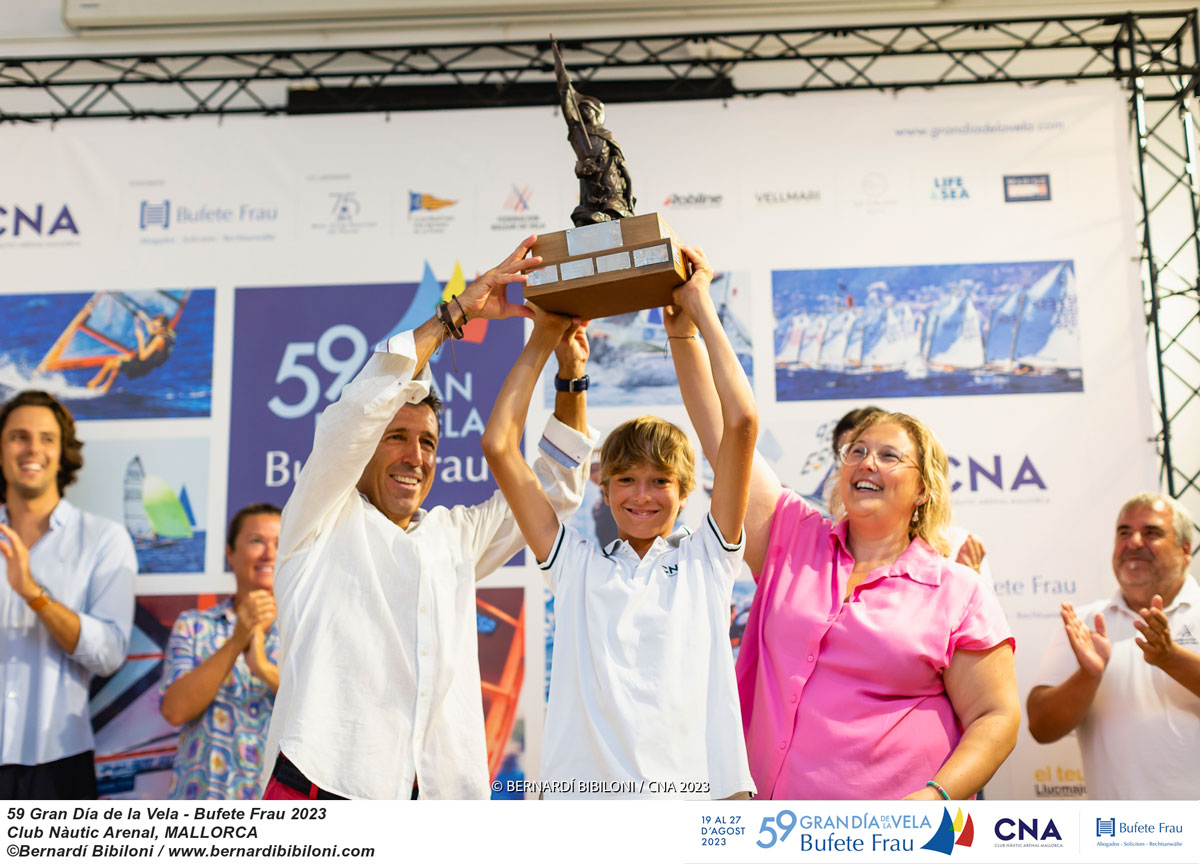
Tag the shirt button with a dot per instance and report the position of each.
(423, 608)
(782, 745)
(810, 658)
(794, 697)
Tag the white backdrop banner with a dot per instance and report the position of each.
(963, 255)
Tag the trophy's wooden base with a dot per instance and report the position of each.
(608, 268)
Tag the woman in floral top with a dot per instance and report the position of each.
(220, 676)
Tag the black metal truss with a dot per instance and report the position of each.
(1154, 54)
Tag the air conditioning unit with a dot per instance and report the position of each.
(87, 14)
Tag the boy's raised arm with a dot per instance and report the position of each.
(502, 436)
(739, 416)
(703, 402)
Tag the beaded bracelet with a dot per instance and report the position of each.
(938, 786)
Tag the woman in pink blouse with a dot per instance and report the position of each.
(872, 666)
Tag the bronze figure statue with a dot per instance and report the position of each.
(605, 187)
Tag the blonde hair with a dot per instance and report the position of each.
(933, 515)
(649, 440)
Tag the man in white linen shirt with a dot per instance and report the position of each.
(1132, 685)
(66, 608)
(379, 670)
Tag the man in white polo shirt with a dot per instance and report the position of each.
(1131, 685)
(379, 671)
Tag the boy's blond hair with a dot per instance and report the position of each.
(653, 441)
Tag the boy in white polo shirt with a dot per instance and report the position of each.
(643, 698)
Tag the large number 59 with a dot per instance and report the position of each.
(343, 370)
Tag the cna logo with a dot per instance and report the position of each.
(36, 221)
(693, 200)
(424, 201)
(154, 213)
(982, 473)
(518, 199)
(949, 189)
(1008, 829)
(952, 832)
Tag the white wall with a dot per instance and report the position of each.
(35, 26)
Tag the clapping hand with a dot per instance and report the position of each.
(1092, 648)
(1157, 647)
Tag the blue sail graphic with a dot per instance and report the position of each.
(942, 839)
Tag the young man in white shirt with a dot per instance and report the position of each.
(379, 671)
(66, 608)
(643, 698)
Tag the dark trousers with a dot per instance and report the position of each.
(70, 779)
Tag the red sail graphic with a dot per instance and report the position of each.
(968, 833)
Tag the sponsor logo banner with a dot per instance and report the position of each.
(693, 200)
(1026, 187)
(37, 223)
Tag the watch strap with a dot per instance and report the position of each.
(41, 601)
(575, 385)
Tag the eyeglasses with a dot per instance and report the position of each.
(887, 458)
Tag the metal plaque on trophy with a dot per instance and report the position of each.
(611, 261)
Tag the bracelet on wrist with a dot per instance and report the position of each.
(693, 336)
(938, 786)
(446, 317)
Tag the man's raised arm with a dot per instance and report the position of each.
(349, 430)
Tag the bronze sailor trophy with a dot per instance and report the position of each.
(612, 261)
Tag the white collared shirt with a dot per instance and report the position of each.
(642, 688)
(379, 668)
(1141, 737)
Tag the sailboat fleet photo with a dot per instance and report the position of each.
(935, 330)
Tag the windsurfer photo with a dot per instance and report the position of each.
(112, 355)
(155, 341)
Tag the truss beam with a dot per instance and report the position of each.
(1155, 55)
